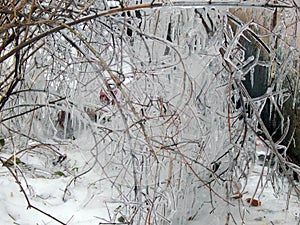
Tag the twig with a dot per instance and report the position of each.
(29, 205)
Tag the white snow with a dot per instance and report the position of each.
(89, 200)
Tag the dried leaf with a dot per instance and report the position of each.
(253, 202)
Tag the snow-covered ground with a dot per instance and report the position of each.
(273, 208)
(89, 199)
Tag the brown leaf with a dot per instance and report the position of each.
(253, 202)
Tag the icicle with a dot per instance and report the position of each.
(271, 109)
(252, 77)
